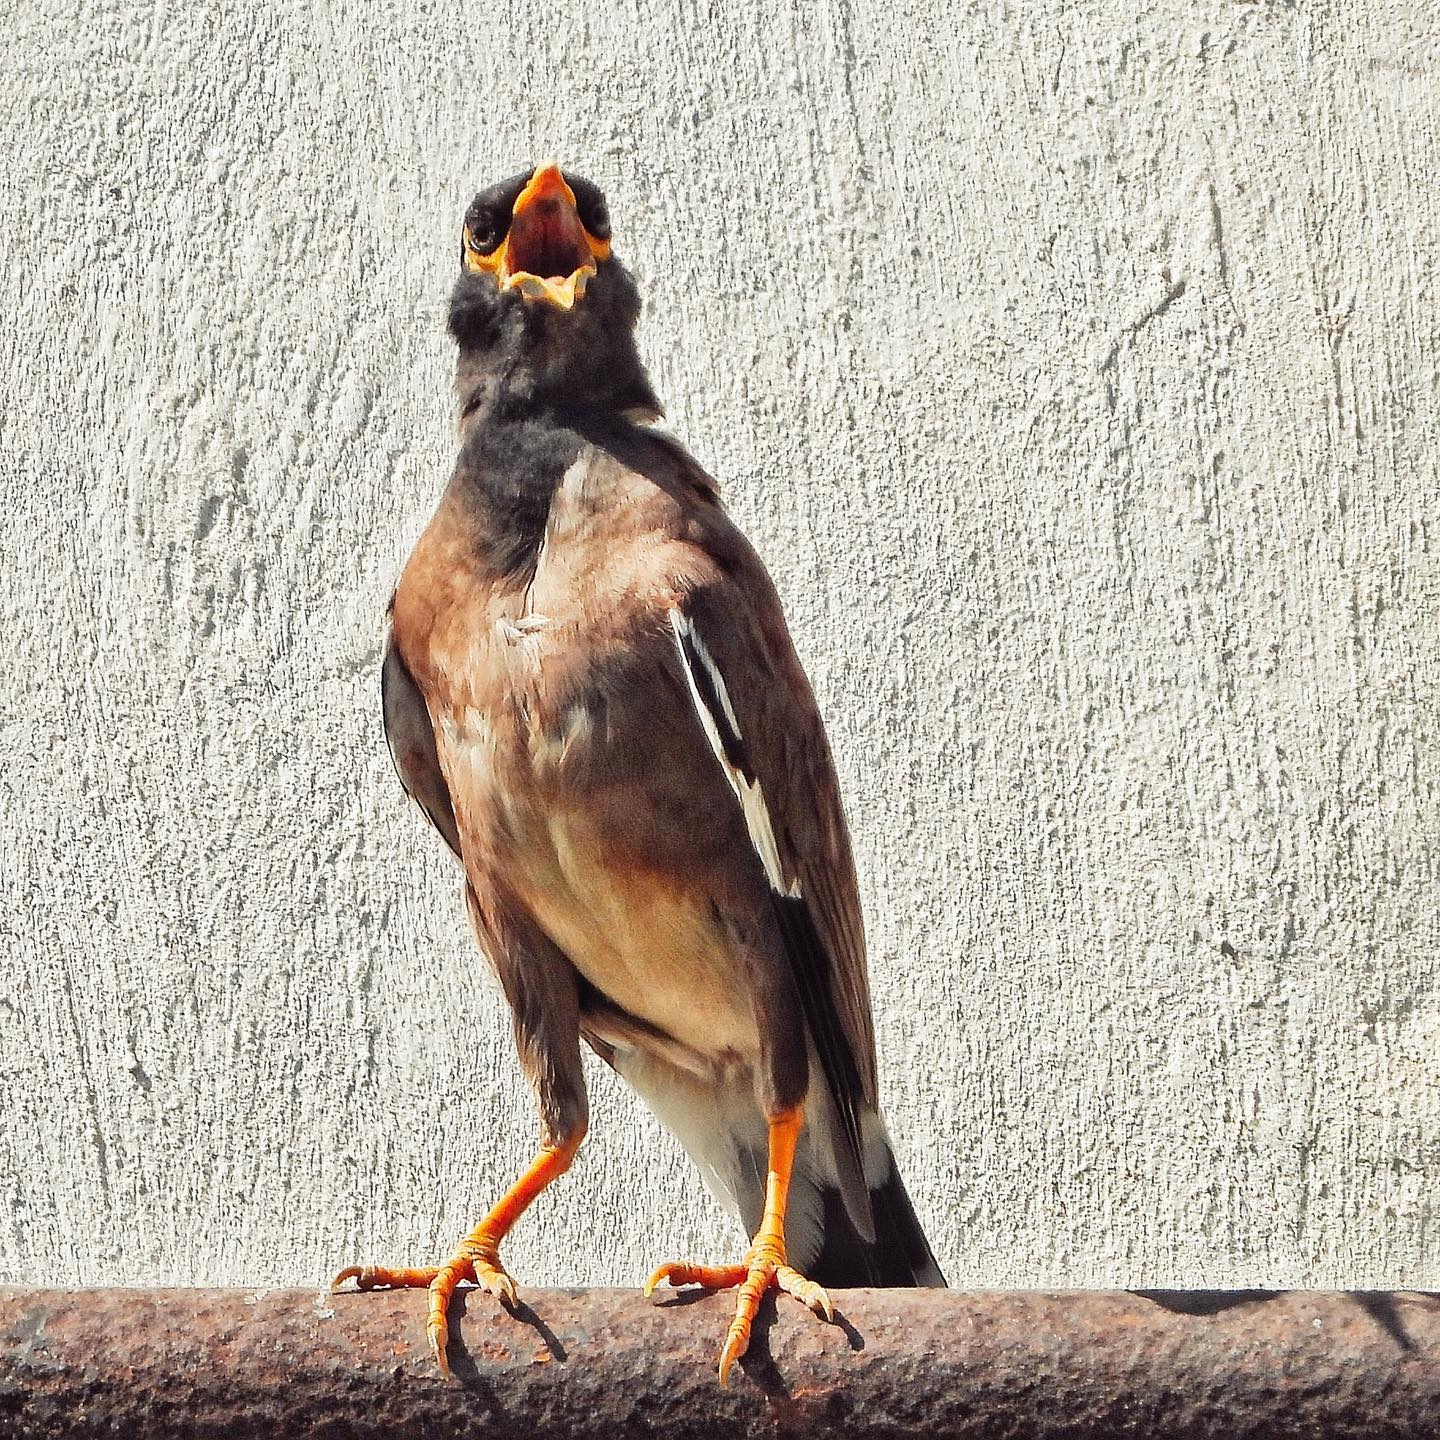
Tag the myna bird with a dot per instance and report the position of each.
(590, 690)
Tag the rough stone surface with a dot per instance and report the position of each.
(1092, 1365)
(1075, 367)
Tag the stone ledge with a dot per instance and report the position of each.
(1173, 1364)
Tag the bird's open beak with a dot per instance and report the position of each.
(548, 254)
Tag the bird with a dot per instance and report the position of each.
(590, 690)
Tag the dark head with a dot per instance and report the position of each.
(542, 311)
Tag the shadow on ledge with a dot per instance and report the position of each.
(1382, 1306)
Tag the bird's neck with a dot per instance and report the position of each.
(508, 470)
(498, 391)
(513, 459)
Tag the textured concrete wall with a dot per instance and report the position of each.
(1076, 372)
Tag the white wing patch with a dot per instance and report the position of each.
(746, 787)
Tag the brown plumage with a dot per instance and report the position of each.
(591, 692)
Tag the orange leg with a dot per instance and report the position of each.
(476, 1258)
(764, 1266)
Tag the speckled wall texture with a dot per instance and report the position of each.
(1076, 372)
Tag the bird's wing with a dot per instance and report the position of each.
(757, 710)
(411, 736)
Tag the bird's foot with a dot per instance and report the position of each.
(477, 1257)
(476, 1261)
(764, 1268)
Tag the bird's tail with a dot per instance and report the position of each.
(849, 1222)
(848, 1225)
(898, 1256)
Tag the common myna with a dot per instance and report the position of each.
(590, 690)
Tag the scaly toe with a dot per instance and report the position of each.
(712, 1277)
(494, 1278)
(383, 1277)
(442, 1288)
(807, 1292)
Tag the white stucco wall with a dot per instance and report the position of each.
(1075, 371)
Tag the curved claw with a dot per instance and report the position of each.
(806, 1291)
(493, 1277)
(737, 1341)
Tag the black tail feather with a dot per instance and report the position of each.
(898, 1258)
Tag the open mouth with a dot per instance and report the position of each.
(547, 256)
(546, 253)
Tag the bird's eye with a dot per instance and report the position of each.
(596, 219)
(482, 232)
(590, 203)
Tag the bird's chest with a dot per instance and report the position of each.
(558, 802)
(500, 651)
(536, 677)
(518, 727)
(547, 694)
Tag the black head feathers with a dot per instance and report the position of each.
(542, 311)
